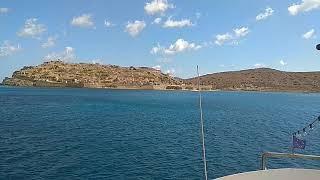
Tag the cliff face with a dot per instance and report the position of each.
(262, 79)
(60, 74)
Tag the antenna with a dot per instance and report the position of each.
(202, 128)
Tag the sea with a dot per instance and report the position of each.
(52, 133)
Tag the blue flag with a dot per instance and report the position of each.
(298, 143)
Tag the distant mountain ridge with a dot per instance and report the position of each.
(262, 79)
(61, 74)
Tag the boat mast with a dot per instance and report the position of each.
(202, 128)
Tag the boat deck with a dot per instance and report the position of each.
(276, 174)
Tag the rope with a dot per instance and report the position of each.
(202, 129)
(306, 130)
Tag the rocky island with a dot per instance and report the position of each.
(62, 74)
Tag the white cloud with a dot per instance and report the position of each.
(232, 38)
(267, 12)
(157, 67)
(310, 34)
(67, 55)
(157, 7)
(96, 61)
(170, 71)
(222, 38)
(84, 21)
(177, 24)
(283, 63)
(157, 49)
(108, 23)
(241, 32)
(259, 65)
(135, 28)
(4, 10)
(157, 21)
(178, 47)
(7, 49)
(206, 44)
(304, 6)
(51, 41)
(32, 28)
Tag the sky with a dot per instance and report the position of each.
(171, 35)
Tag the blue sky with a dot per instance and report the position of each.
(172, 35)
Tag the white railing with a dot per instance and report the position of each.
(267, 155)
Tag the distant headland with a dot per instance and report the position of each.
(83, 75)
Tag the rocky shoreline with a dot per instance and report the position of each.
(82, 75)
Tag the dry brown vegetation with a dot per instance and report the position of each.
(61, 74)
(262, 79)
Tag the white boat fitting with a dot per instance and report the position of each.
(276, 174)
(279, 174)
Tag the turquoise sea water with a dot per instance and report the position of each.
(126, 134)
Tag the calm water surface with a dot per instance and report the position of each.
(122, 134)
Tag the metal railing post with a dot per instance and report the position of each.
(263, 162)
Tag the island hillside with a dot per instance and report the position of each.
(262, 79)
(62, 74)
